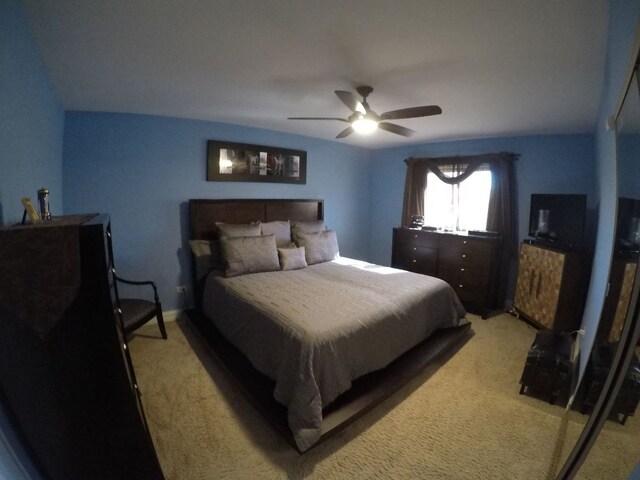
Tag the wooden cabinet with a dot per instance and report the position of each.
(550, 287)
(66, 378)
(468, 263)
(616, 305)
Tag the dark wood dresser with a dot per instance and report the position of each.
(468, 263)
(66, 377)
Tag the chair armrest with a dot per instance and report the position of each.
(133, 282)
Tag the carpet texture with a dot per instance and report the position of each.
(461, 418)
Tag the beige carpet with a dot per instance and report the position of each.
(463, 419)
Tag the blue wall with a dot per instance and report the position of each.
(547, 164)
(31, 127)
(143, 169)
(623, 21)
(31, 119)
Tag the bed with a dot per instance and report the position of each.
(309, 338)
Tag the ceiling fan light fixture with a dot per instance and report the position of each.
(365, 126)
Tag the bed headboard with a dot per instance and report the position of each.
(204, 213)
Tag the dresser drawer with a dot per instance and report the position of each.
(470, 296)
(468, 276)
(416, 259)
(465, 252)
(416, 237)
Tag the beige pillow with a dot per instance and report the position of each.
(292, 258)
(206, 255)
(306, 227)
(255, 254)
(319, 247)
(238, 229)
(281, 230)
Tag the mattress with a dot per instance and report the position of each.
(315, 330)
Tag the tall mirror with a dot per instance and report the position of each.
(621, 432)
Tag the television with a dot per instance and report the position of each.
(628, 224)
(558, 219)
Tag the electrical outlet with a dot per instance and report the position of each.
(181, 288)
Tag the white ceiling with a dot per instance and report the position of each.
(496, 67)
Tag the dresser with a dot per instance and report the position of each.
(469, 263)
(551, 286)
(66, 377)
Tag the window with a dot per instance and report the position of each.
(463, 206)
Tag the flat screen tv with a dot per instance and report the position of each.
(628, 224)
(558, 219)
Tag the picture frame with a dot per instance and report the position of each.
(29, 211)
(243, 162)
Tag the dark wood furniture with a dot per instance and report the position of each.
(66, 377)
(547, 370)
(551, 286)
(616, 304)
(468, 263)
(367, 391)
(137, 311)
(598, 368)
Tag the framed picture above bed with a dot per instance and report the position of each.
(241, 162)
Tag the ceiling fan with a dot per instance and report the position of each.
(364, 120)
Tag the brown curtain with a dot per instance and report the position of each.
(502, 213)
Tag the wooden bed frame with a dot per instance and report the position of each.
(368, 390)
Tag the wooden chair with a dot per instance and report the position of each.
(136, 312)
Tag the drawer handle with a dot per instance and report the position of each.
(120, 311)
(414, 260)
(462, 269)
(415, 236)
(460, 286)
(464, 256)
(464, 241)
(414, 249)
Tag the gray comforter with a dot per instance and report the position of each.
(315, 330)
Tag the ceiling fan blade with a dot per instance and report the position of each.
(350, 100)
(346, 132)
(413, 112)
(318, 118)
(397, 129)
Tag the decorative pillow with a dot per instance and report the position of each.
(292, 258)
(239, 229)
(306, 227)
(281, 230)
(249, 254)
(207, 256)
(319, 247)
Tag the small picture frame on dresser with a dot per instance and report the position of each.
(29, 211)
